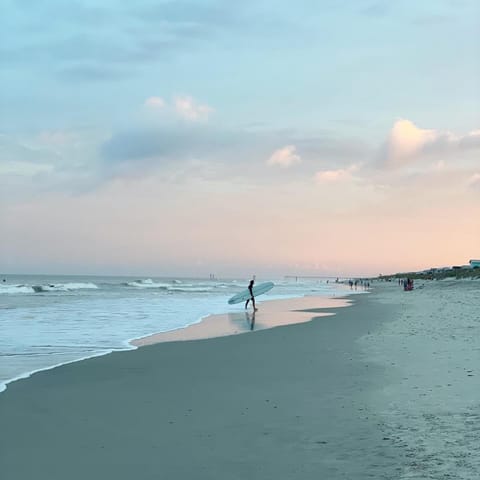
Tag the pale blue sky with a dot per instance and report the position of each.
(347, 65)
(320, 85)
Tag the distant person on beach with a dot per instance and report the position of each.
(252, 298)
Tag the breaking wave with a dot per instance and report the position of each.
(148, 283)
(50, 287)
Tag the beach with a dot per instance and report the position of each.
(430, 408)
(384, 389)
(50, 320)
(272, 314)
(168, 166)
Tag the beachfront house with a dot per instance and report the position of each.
(475, 263)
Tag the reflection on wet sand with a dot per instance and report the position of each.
(270, 314)
(250, 319)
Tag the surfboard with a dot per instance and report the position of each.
(244, 295)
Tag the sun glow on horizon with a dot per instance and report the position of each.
(192, 150)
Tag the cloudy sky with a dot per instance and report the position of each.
(193, 137)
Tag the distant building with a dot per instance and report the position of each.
(475, 263)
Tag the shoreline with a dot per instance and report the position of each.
(289, 402)
(385, 389)
(202, 329)
(270, 314)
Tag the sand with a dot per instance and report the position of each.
(431, 353)
(269, 314)
(379, 390)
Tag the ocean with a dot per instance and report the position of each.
(46, 321)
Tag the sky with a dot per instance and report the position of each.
(326, 137)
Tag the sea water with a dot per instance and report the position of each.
(47, 321)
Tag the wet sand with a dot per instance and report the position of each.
(270, 313)
(279, 403)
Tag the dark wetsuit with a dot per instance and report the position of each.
(252, 298)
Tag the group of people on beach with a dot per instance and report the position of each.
(407, 284)
(363, 283)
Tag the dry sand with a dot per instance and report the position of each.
(383, 389)
(431, 352)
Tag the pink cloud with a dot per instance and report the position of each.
(407, 142)
(284, 157)
(331, 176)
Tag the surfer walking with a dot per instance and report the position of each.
(252, 297)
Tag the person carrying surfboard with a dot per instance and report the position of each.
(252, 298)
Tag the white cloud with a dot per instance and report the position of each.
(471, 140)
(155, 102)
(190, 109)
(332, 176)
(474, 181)
(329, 176)
(184, 106)
(406, 142)
(284, 157)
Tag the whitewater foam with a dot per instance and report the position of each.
(13, 289)
(49, 287)
(70, 319)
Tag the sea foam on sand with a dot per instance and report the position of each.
(431, 352)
